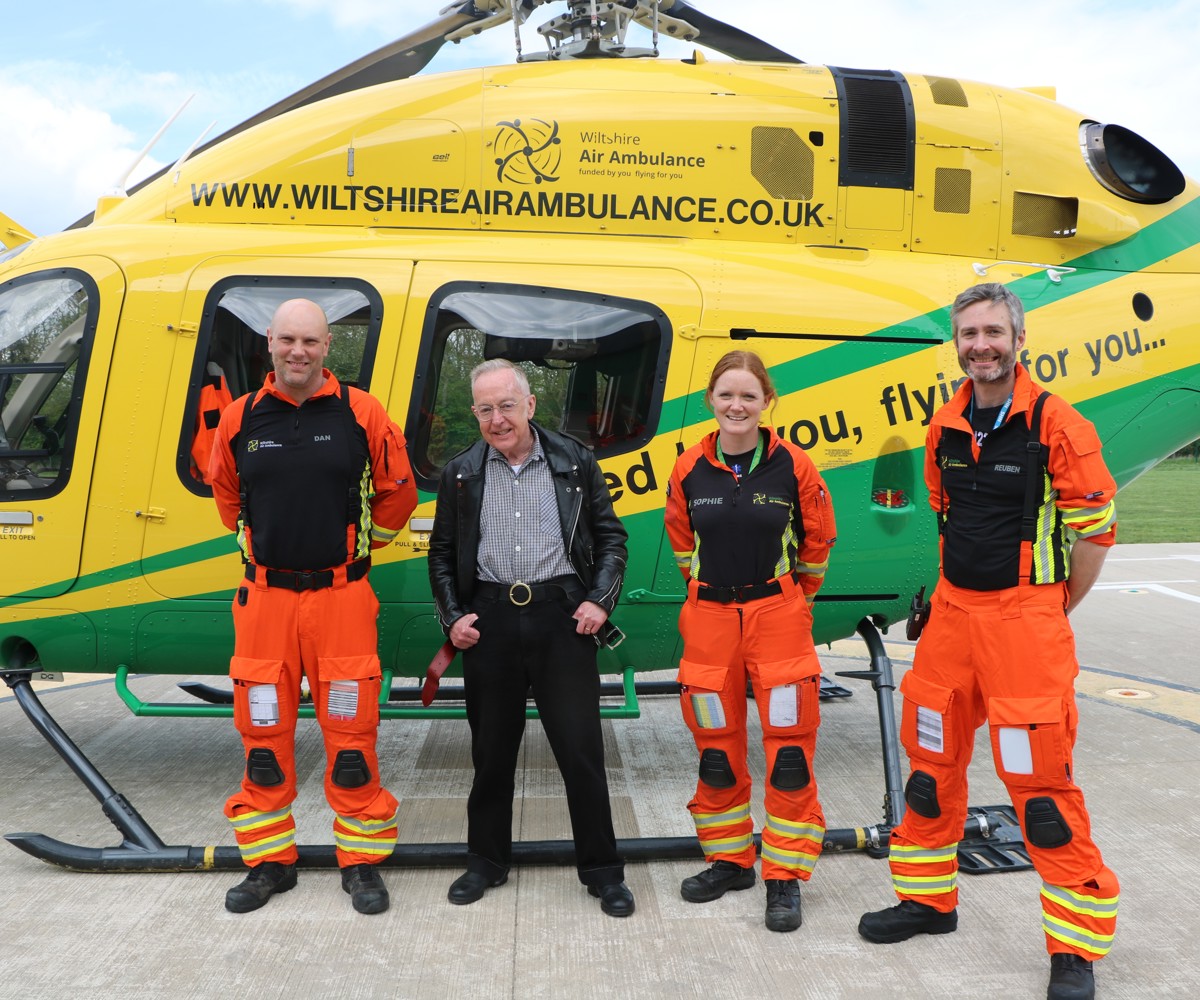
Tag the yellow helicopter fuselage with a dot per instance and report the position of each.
(618, 225)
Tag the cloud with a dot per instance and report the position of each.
(73, 151)
(363, 13)
(72, 131)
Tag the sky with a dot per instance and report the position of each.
(84, 86)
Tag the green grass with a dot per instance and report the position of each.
(1163, 505)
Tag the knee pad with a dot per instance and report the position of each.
(921, 795)
(350, 769)
(790, 772)
(262, 768)
(1045, 826)
(715, 770)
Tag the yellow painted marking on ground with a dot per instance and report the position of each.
(1183, 705)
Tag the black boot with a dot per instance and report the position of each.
(714, 882)
(1070, 978)
(899, 923)
(261, 884)
(783, 904)
(368, 894)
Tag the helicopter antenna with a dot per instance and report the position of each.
(118, 188)
(188, 152)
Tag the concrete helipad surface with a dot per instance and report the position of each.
(67, 934)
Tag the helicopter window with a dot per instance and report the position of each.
(595, 363)
(1128, 165)
(232, 357)
(46, 326)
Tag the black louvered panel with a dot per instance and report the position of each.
(877, 148)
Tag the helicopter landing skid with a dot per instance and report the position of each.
(989, 831)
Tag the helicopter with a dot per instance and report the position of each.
(612, 222)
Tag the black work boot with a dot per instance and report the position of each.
(1070, 978)
(368, 894)
(714, 882)
(261, 884)
(899, 923)
(783, 904)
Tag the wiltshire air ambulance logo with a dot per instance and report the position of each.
(528, 152)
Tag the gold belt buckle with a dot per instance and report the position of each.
(512, 594)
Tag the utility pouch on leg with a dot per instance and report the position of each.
(927, 723)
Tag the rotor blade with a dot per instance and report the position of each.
(398, 60)
(725, 38)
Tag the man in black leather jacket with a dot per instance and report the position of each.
(526, 561)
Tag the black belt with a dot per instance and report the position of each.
(750, 592)
(521, 593)
(316, 580)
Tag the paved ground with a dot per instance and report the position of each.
(68, 934)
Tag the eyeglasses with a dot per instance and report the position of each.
(484, 411)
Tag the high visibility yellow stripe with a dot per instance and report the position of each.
(1088, 521)
(269, 845)
(704, 820)
(382, 534)
(726, 845)
(922, 855)
(1072, 934)
(367, 826)
(342, 837)
(255, 820)
(356, 845)
(798, 860)
(1043, 551)
(926, 885)
(1090, 906)
(785, 828)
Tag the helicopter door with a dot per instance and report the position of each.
(596, 343)
(221, 354)
(57, 329)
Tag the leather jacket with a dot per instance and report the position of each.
(592, 533)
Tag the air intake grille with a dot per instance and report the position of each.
(1045, 216)
(952, 190)
(782, 163)
(947, 91)
(878, 131)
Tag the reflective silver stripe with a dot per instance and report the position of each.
(1102, 517)
(726, 845)
(922, 855)
(253, 820)
(367, 826)
(925, 886)
(797, 860)
(1060, 930)
(382, 534)
(705, 820)
(270, 845)
(1088, 905)
(1043, 550)
(806, 831)
(364, 845)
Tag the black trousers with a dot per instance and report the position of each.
(536, 648)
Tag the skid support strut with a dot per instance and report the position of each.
(142, 850)
(883, 681)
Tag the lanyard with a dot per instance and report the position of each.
(999, 416)
(737, 471)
